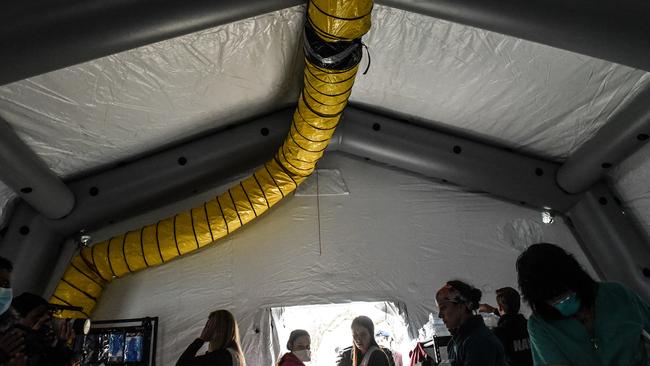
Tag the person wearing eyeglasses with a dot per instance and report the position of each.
(472, 342)
(577, 320)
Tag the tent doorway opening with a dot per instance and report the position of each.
(329, 328)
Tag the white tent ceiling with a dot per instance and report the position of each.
(530, 97)
(527, 96)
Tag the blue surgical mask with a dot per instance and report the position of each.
(6, 295)
(568, 306)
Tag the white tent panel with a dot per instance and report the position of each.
(117, 107)
(6, 197)
(395, 236)
(525, 95)
(631, 179)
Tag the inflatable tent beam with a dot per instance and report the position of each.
(364, 134)
(28, 175)
(34, 248)
(458, 160)
(136, 187)
(622, 135)
(173, 174)
(37, 37)
(616, 31)
(616, 247)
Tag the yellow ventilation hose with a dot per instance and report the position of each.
(332, 50)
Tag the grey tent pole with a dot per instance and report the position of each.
(41, 36)
(176, 173)
(608, 235)
(24, 172)
(173, 174)
(37, 37)
(625, 133)
(616, 31)
(615, 246)
(33, 247)
(454, 159)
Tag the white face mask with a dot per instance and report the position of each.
(6, 295)
(303, 355)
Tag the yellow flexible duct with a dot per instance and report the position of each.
(325, 94)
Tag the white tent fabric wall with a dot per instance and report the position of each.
(395, 236)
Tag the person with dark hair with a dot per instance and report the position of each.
(224, 349)
(512, 329)
(472, 343)
(43, 344)
(6, 293)
(299, 346)
(576, 320)
(11, 341)
(364, 351)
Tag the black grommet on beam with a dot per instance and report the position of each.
(26, 190)
(93, 191)
(376, 126)
(606, 165)
(182, 160)
(642, 136)
(646, 272)
(457, 149)
(264, 131)
(602, 201)
(539, 172)
(24, 230)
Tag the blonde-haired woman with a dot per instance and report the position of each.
(222, 333)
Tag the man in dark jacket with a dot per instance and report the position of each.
(472, 343)
(512, 328)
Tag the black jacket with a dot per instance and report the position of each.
(512, 331)
(220, 357)
(384, 358)
(473, 344)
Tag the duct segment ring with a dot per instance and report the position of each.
(342, 55)
(333, 50)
